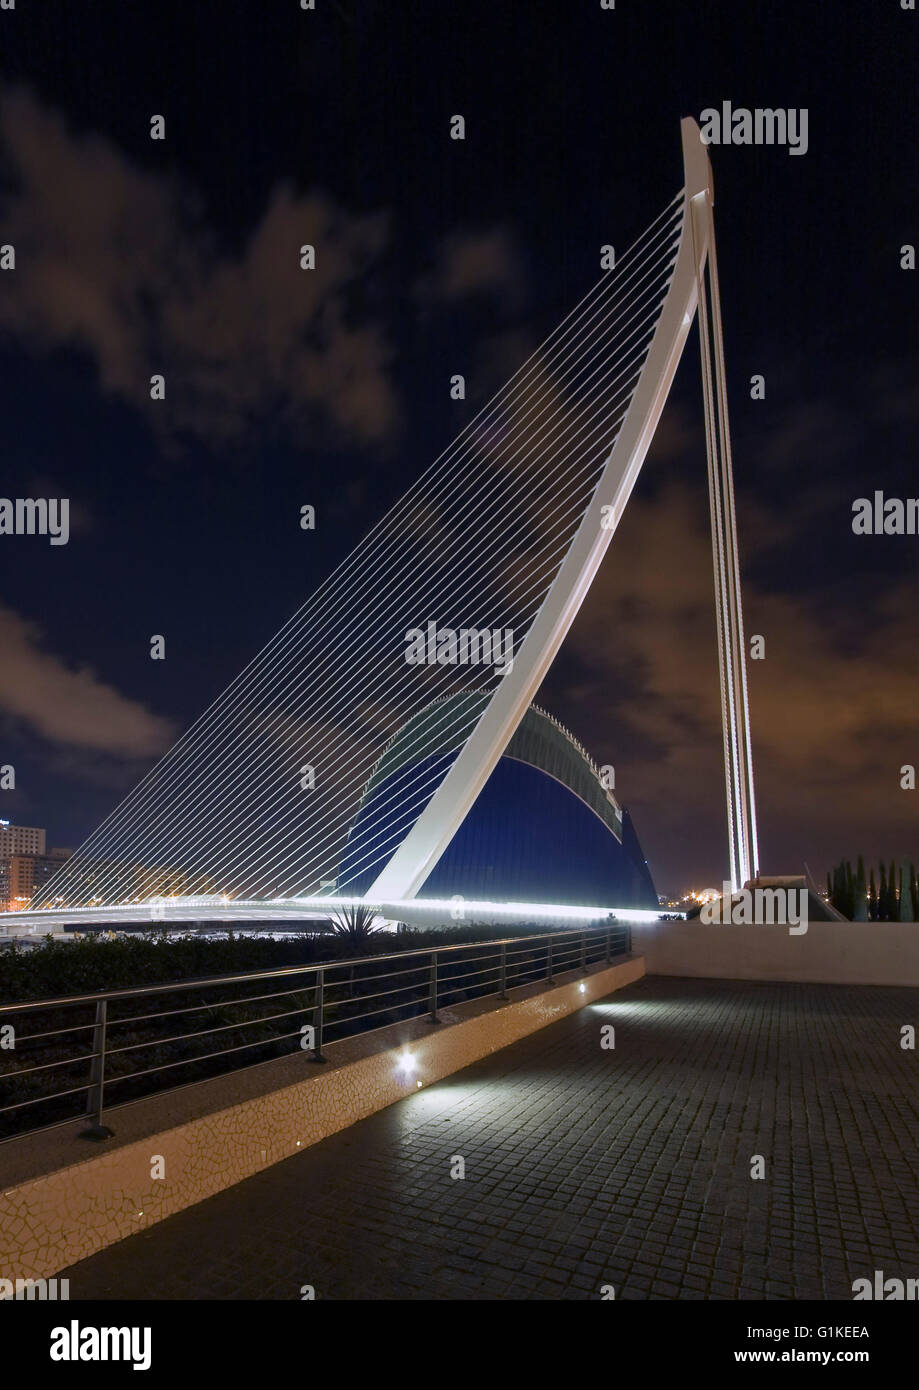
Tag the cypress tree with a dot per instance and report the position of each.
(882, 895)
(860, 903)
(905, 913)
(872, 898)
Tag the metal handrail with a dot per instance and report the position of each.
(281, 971)
(441, 973)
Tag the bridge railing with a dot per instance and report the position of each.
(122, 1045)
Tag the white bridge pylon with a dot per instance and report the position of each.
(693, 288)
(273, 794)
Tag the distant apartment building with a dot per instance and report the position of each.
(134, 883)
(26, 875)
(20, 839)
(25, 867)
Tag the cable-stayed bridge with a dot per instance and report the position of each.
(470, 582)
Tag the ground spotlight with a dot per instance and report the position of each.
(407, 1065)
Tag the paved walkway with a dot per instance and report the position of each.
(586, 1167)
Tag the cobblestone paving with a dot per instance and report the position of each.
(586, 1167)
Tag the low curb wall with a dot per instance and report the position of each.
(828, 953)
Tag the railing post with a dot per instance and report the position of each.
(609, 944)
(432, 995)
(95, 1095)
(583, 950)
(549, 977)
(318, 1015)
(502, 993)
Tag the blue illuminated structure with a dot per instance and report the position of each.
(543, 827)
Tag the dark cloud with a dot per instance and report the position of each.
(833, 709)
(474, 263)
(69, 706)
(120, 264)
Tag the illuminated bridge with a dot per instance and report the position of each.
(383, 742)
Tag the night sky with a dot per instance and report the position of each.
(332, 126)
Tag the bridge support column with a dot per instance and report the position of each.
(735, 715)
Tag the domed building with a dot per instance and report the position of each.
(542, 829)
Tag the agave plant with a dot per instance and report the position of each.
(355, 923)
